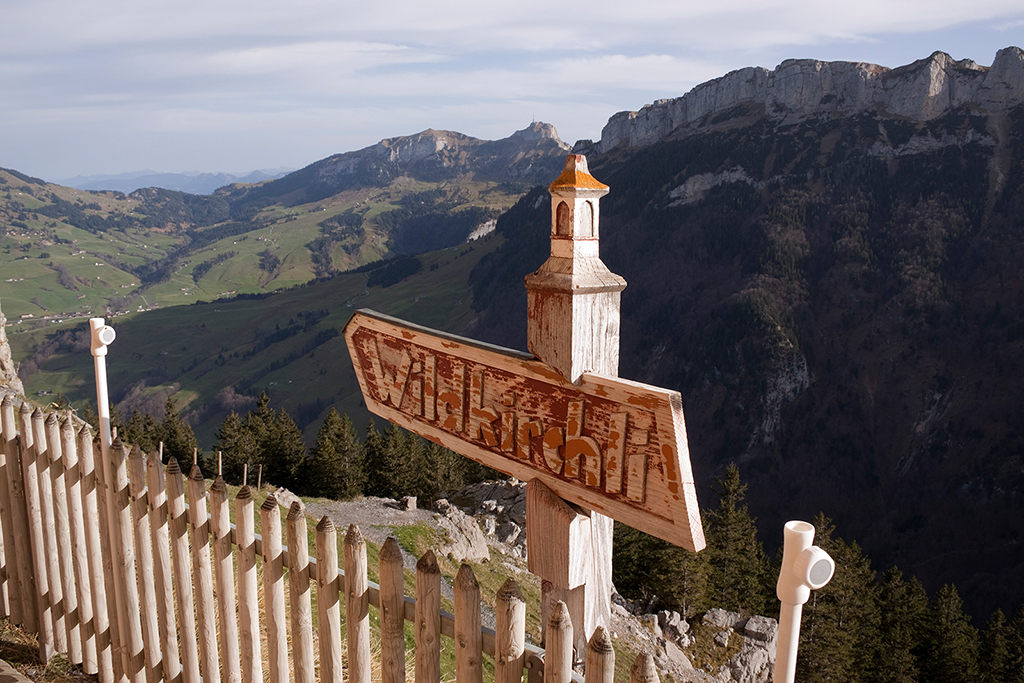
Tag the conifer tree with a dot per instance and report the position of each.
(283, 454)
(840, 621)
(903, 612)
(376, 479)
(237, 447)
(738, 566)
(995, 658)
(444, 471)
(951, 646)
(1015, 645)
(176, 434)
(337, 456)
(142, 430)
(645, 567)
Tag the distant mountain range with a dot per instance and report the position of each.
(193, 183)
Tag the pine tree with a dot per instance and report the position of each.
(903, 612)
(142, 430)
(337, 458)
(283, 454)
(238, 449)
(176, 434)
(995, 659)
(951, 645)
(738, 566)
(840, 621)
(373, 460)
(645, 567)
(445, 472)
(1015, 645)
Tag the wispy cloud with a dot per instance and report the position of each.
(298, 79)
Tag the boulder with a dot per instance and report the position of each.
(761, 628)
(752, 664)
(720, 619)
(467, 543)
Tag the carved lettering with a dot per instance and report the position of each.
(528, 429)
(554, 439)
(391, 384)
(481, 417)
(582, 454)
(429, 387)
(450, 399)
(615, 453)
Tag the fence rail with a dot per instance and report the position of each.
(107, 564)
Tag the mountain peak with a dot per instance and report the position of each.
(538, 130)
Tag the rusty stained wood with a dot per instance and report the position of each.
(612, 445)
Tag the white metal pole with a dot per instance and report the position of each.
(804, 566)
(101, 336)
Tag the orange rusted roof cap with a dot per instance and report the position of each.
(576, 174)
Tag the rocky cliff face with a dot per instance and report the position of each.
(8, 372)
(803, 88)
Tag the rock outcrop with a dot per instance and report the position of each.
(465, 540)
(802, 88)
(528, 155)
(8, 371)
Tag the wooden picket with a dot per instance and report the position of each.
(103, 559)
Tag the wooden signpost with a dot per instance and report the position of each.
(609, 444)
(559, 419)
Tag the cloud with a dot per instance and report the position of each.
(306, 77)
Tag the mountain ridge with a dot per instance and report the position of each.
(191, 182)
(802, 88)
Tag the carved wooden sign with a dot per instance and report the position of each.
(614, 446)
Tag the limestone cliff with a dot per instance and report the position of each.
(803, 88)
(8, 373)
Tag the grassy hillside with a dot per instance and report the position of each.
(214, 356)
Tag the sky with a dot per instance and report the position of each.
(103, 87)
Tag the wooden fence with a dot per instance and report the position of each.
(107, 563)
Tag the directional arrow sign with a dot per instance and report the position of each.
(608, 444)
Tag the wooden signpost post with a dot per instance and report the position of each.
(592, 447)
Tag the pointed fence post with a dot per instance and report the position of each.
(428, 619)
(357, 606)
(224, 568)
(159, 532)
(178, 523)
(144, 555)
(298, 593)
(600, 658)
(392, 613)
(54, 585)
(643, 669)
(10, 582)
(510, 634)
(273, 591)
(558, 657)
(98, 583)
(124, 562)
(248, 590)
(20, 548)
(80, 552)
(62, 531)
(37, 537)
(328, 597)
(468, 644)
(202, 576)
(103, 500)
